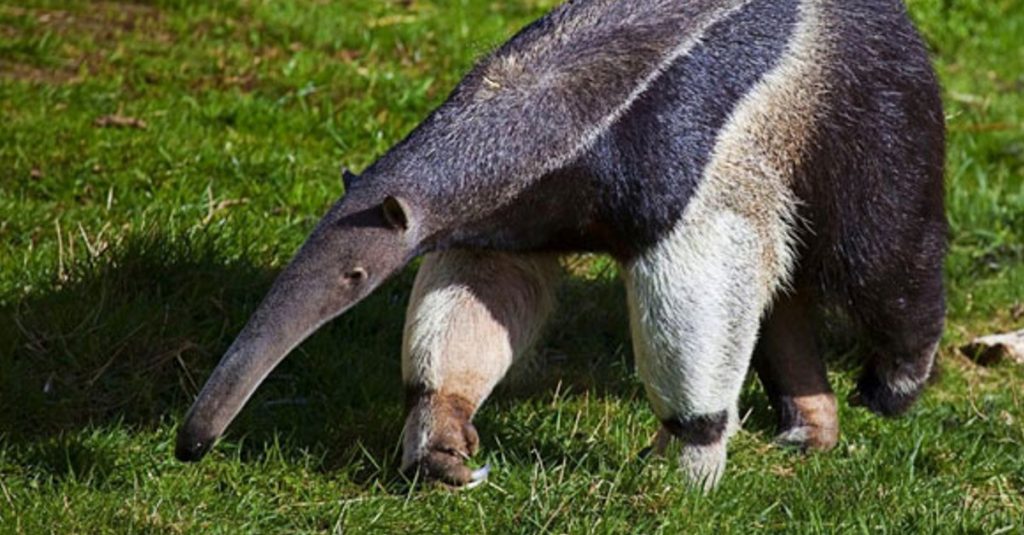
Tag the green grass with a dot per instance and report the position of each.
(129, 258)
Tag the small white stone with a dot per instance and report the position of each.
(994, 348)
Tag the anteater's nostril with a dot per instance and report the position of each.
(190, 449)
(355, 276)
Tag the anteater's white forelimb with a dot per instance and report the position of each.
(694, 313)
(470, 316)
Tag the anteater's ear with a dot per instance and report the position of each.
(397, 212)
(347, 178)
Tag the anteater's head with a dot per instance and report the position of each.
(366, 237)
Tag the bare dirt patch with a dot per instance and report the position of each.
(36, 74)
(102, 20)
(87, 36)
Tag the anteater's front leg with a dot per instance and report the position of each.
(695, 299)
(470, 316)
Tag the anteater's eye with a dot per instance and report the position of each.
(354, 276)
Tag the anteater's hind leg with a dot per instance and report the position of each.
(470, 315)
(792, 371)
(695, 301)
(903, 315)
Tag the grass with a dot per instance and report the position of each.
(130, 257)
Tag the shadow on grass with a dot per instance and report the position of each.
(129, 340)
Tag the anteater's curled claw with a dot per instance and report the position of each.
(478, 476)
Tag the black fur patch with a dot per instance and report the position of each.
(702, 430)
(650, 162)
(873, 192)
(905, 355)
(882, 399)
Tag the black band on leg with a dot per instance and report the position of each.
(700, 430)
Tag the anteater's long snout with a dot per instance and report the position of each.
(283, 320)
(233, 381)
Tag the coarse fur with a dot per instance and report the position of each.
(746, 161)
